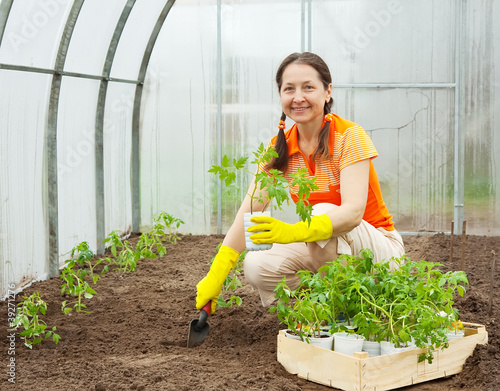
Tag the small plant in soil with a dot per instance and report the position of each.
(167, 226)
(273, 183)
(28, 317)
(74, 276)
(125, 256)
(231, 283)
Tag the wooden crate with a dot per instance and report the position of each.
(361, 373)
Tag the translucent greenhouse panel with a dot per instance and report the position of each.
(76, 164)
(93, 31)
(380, 41)
(117, 157)
(482, 102)
(180, 107)
(413, 132)
(178, 120)
(251, 107)
(134, 38)
(33, 32)
(23, 216)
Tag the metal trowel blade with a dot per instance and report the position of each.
(197, 335)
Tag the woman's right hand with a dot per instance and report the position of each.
(209, 288)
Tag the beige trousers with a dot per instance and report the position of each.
(264, 270)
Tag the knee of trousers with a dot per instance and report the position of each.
(252, 267)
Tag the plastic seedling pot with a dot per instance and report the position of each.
(348, 343)
(251, 246)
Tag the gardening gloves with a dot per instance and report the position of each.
(276, 231)
(210, 286)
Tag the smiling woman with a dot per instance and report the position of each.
(349, 211)
(303, 98)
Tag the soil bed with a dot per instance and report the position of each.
(135, 337)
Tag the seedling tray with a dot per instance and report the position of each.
(361, 373)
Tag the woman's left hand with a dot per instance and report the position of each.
(271, 230)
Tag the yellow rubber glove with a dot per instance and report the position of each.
(276, 231)
(208, 289)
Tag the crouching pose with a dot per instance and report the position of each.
(349, 213)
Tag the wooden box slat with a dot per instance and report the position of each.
(386, 372)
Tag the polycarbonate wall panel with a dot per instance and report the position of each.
(179, 111)
(414, 128)
(413, 133)
(381, 41)
(134, 38)
(76, 164)
(23, 218)
(117, 139)
(482, 105)
(251, 107)
(179, 130)
(93, 31)
(33, 32)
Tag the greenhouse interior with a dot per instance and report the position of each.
(113, 115)
(114, 111)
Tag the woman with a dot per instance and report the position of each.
(349, 212)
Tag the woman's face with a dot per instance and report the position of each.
(303, 95)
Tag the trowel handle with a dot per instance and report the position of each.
(205, 311)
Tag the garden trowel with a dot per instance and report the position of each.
(199, 328)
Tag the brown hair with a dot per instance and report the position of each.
(317, 63)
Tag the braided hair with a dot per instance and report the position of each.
(322, 151)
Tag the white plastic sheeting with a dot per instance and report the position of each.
(23, 215)
(32, 32)
(210, 91)
(117, 153)
(76, 163)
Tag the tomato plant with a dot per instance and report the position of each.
(273, 183)
(28, 317)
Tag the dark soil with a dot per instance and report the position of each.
(135, 336)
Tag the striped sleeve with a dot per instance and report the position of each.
(355, 145)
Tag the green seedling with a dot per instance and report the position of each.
(126, 257)
(74, 277)
(274, 183)
(27, 317)
(150, 245)
(403, 305)
(168, 226)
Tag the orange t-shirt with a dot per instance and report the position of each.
(349, 143)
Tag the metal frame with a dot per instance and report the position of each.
(219, 113)
(53, 109)
(459, 151)
(306, 39)
(458, 86)
(5, 6)
(135, 174)
(51, 139)
(24, 68)
(99, 127)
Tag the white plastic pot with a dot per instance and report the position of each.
(348, 343)
(325, 341)
(249, 244)
(388, 348)
(372, 347)
(455, 335)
